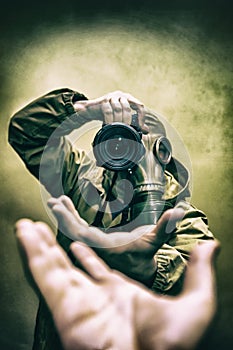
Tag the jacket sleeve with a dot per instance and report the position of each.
(37, 133)
(172, 258)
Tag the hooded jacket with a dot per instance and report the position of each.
(38, 133)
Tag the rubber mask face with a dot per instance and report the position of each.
(148, 178)
(142, 187)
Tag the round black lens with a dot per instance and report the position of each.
(117, 146)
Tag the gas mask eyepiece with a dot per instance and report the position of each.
(162, 150)
(119, 146)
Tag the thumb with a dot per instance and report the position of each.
(167, 224)
(200, 271)
(198, 295)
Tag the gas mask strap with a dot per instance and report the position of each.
(99, 216)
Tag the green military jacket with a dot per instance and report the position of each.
(39, 132)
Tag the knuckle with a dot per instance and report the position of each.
(108, 112)
(62, 198)
(127, 109)
(106, 108)
(117, 109)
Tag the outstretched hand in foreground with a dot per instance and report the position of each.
(132, 253)
(102, 309)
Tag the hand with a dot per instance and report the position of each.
(115, 106)
(129, 252)
(102, 309)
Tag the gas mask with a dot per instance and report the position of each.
(141, 159)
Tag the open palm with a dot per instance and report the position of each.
(129, 252)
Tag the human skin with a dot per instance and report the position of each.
(115, 106)
(132, 253)
(98, 308)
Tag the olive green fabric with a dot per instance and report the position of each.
(38, 134)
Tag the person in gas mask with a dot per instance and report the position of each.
(129, 188)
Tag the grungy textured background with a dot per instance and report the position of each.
(175, 56)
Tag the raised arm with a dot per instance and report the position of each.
(39, 129)
(50, 117)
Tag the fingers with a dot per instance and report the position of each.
(126, 110)
(39, 243)
(167, 224)
(30, 247)
(62, 199)
(69, 221)
(43, 256)
(115, 106)
(198, 296)
(141, 111)
(91, 263)
(74, 227)
(64, 203)
(108, 113)
(119, 107)
(51, 269)
(200, 275)
(170, 219)
(33, 237)
(65, 212)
